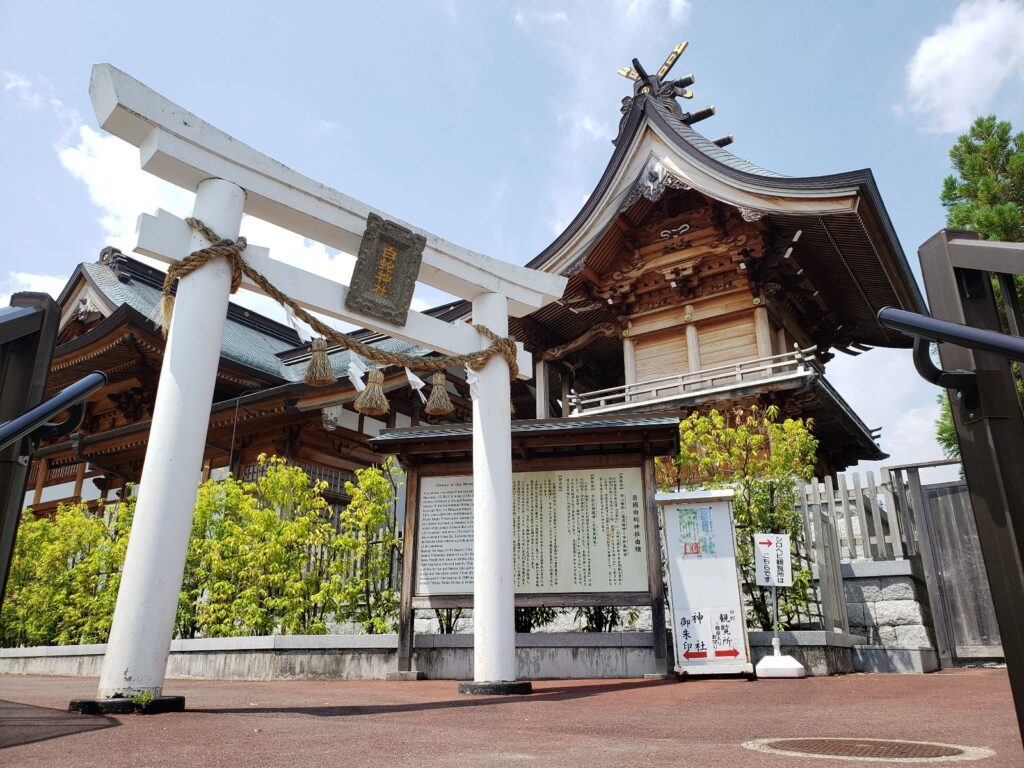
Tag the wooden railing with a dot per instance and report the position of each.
(705, 381)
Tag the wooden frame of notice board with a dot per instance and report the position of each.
(605, 462)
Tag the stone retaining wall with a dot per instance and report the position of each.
(887, 602)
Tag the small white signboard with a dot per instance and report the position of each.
(771, 559)
(708, 625)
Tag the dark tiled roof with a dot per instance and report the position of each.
(706, 146)
(249, 339)
(242, 343)
(528, 427)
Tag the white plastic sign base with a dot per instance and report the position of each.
(777, 665)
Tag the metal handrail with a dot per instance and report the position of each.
(38, 420)
(930, 329)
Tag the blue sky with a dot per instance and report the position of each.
(489, 123)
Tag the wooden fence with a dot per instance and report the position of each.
(850, 520)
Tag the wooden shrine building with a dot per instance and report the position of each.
(697, 280)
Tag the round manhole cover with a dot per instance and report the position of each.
(881, 750)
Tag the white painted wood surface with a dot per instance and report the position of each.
(165, 237)
(494, 647)
(181, 148)
(147, 600)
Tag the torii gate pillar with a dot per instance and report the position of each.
(147, 600)
(494, 633)
(229, 178)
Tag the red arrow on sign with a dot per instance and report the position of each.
(731, 652)
(766, 543)
(695, 655)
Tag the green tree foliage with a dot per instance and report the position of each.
(986, 194)
(529, 619)
(448, 620)
(64, 576)
(764, 461)
(263, 558)
(605, 618)
(945, 431)
(368, 535)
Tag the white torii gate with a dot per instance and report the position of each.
(230, 178)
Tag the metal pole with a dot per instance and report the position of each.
(776, 641)
(990, 432)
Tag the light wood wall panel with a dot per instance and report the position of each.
(730, 340)
(661, 354)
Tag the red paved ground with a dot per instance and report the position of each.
(580, 723)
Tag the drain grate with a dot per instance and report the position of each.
(865, 748)
(869, 749)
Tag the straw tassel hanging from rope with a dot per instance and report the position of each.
(319, 372)
(439, 403)
(371, 401)
(164, 311)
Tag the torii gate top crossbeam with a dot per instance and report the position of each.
(179, 147)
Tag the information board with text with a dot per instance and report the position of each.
(579, 530)
(709, 628)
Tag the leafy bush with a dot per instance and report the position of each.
(764, 461)
(263, 558)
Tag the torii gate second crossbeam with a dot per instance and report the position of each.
(230, 178)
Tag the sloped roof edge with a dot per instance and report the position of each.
(718, 162)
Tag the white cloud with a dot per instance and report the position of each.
(530, 18)
(960, 68)
(39, 94)
(121, 191)
(638, 11)
(16, 282)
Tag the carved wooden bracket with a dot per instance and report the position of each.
(604, 329)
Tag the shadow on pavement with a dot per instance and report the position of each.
(25, 724)
(541, 692)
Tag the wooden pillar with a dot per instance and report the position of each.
(79, 477)
(406, 614)
(41, 469)
(763, 331)
(563, 378)
(692, 342)
(654, 575)
(629, 363)
(540, 385)
(629, 359)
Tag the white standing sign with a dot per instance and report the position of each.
(709, 628)
(771, 559)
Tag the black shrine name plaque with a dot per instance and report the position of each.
(385, 274)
